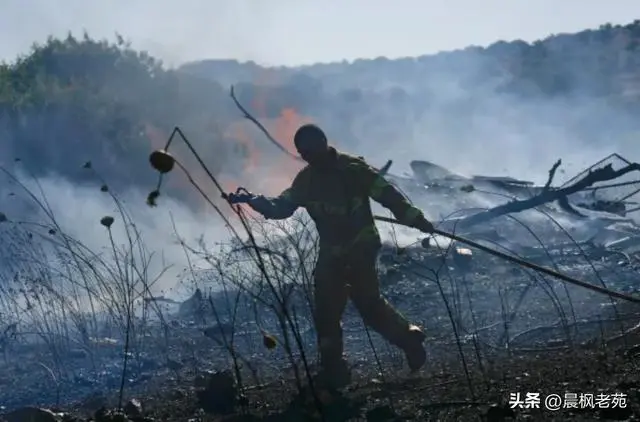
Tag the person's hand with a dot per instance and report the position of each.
(424, 225)
(241, 196)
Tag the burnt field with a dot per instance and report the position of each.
(519, 334)
(84, 331)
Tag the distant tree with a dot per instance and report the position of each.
(78, 99)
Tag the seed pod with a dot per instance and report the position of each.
(152, 198)
(162, 161)
(106, 221)
(269, 341)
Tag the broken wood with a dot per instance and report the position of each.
(552, 174)
(547, 195)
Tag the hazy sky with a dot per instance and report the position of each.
(301, 31)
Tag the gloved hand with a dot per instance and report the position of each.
(241, 196)
(258, 202)
(424, 225)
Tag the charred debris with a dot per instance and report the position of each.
(603, 200)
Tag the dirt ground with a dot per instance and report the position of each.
(443, 394)
(540, 359)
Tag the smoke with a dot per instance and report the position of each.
(78, 211)
(454, 109)
(517, 139)
(496, 135)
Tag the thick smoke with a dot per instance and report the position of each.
(474, 130)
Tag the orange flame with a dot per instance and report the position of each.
(245, 141)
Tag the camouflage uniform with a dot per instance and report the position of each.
(337, 199)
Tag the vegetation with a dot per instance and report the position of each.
(591, 63)
(75, 100)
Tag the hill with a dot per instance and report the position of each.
(593, 62)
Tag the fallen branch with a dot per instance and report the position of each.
(547, 195)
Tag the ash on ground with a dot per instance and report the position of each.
(469, 301)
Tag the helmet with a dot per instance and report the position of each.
(310, 139)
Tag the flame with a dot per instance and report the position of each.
(287, 125)
(265, 175)
(283, 129)
(242, 143)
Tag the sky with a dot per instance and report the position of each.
(295, 32)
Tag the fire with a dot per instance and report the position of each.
(281, 171)
(244, 141)
(266, 175)
(241, 143)
(283, 129)
(287, 125)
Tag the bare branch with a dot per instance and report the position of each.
(552, 174)
(271, 139)
(602, 174)
(264, 130)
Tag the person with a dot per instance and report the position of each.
(335, 188)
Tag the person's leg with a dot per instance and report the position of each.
(330, 300)
(377, 313)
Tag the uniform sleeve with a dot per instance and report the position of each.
(282, 206)
(385, 193)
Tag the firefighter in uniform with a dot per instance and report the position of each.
(335, 189)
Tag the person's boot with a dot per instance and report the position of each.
(414, 350)
(334, 376)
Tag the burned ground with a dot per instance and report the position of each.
(493, 327)
(497, 322)
(537, 344)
